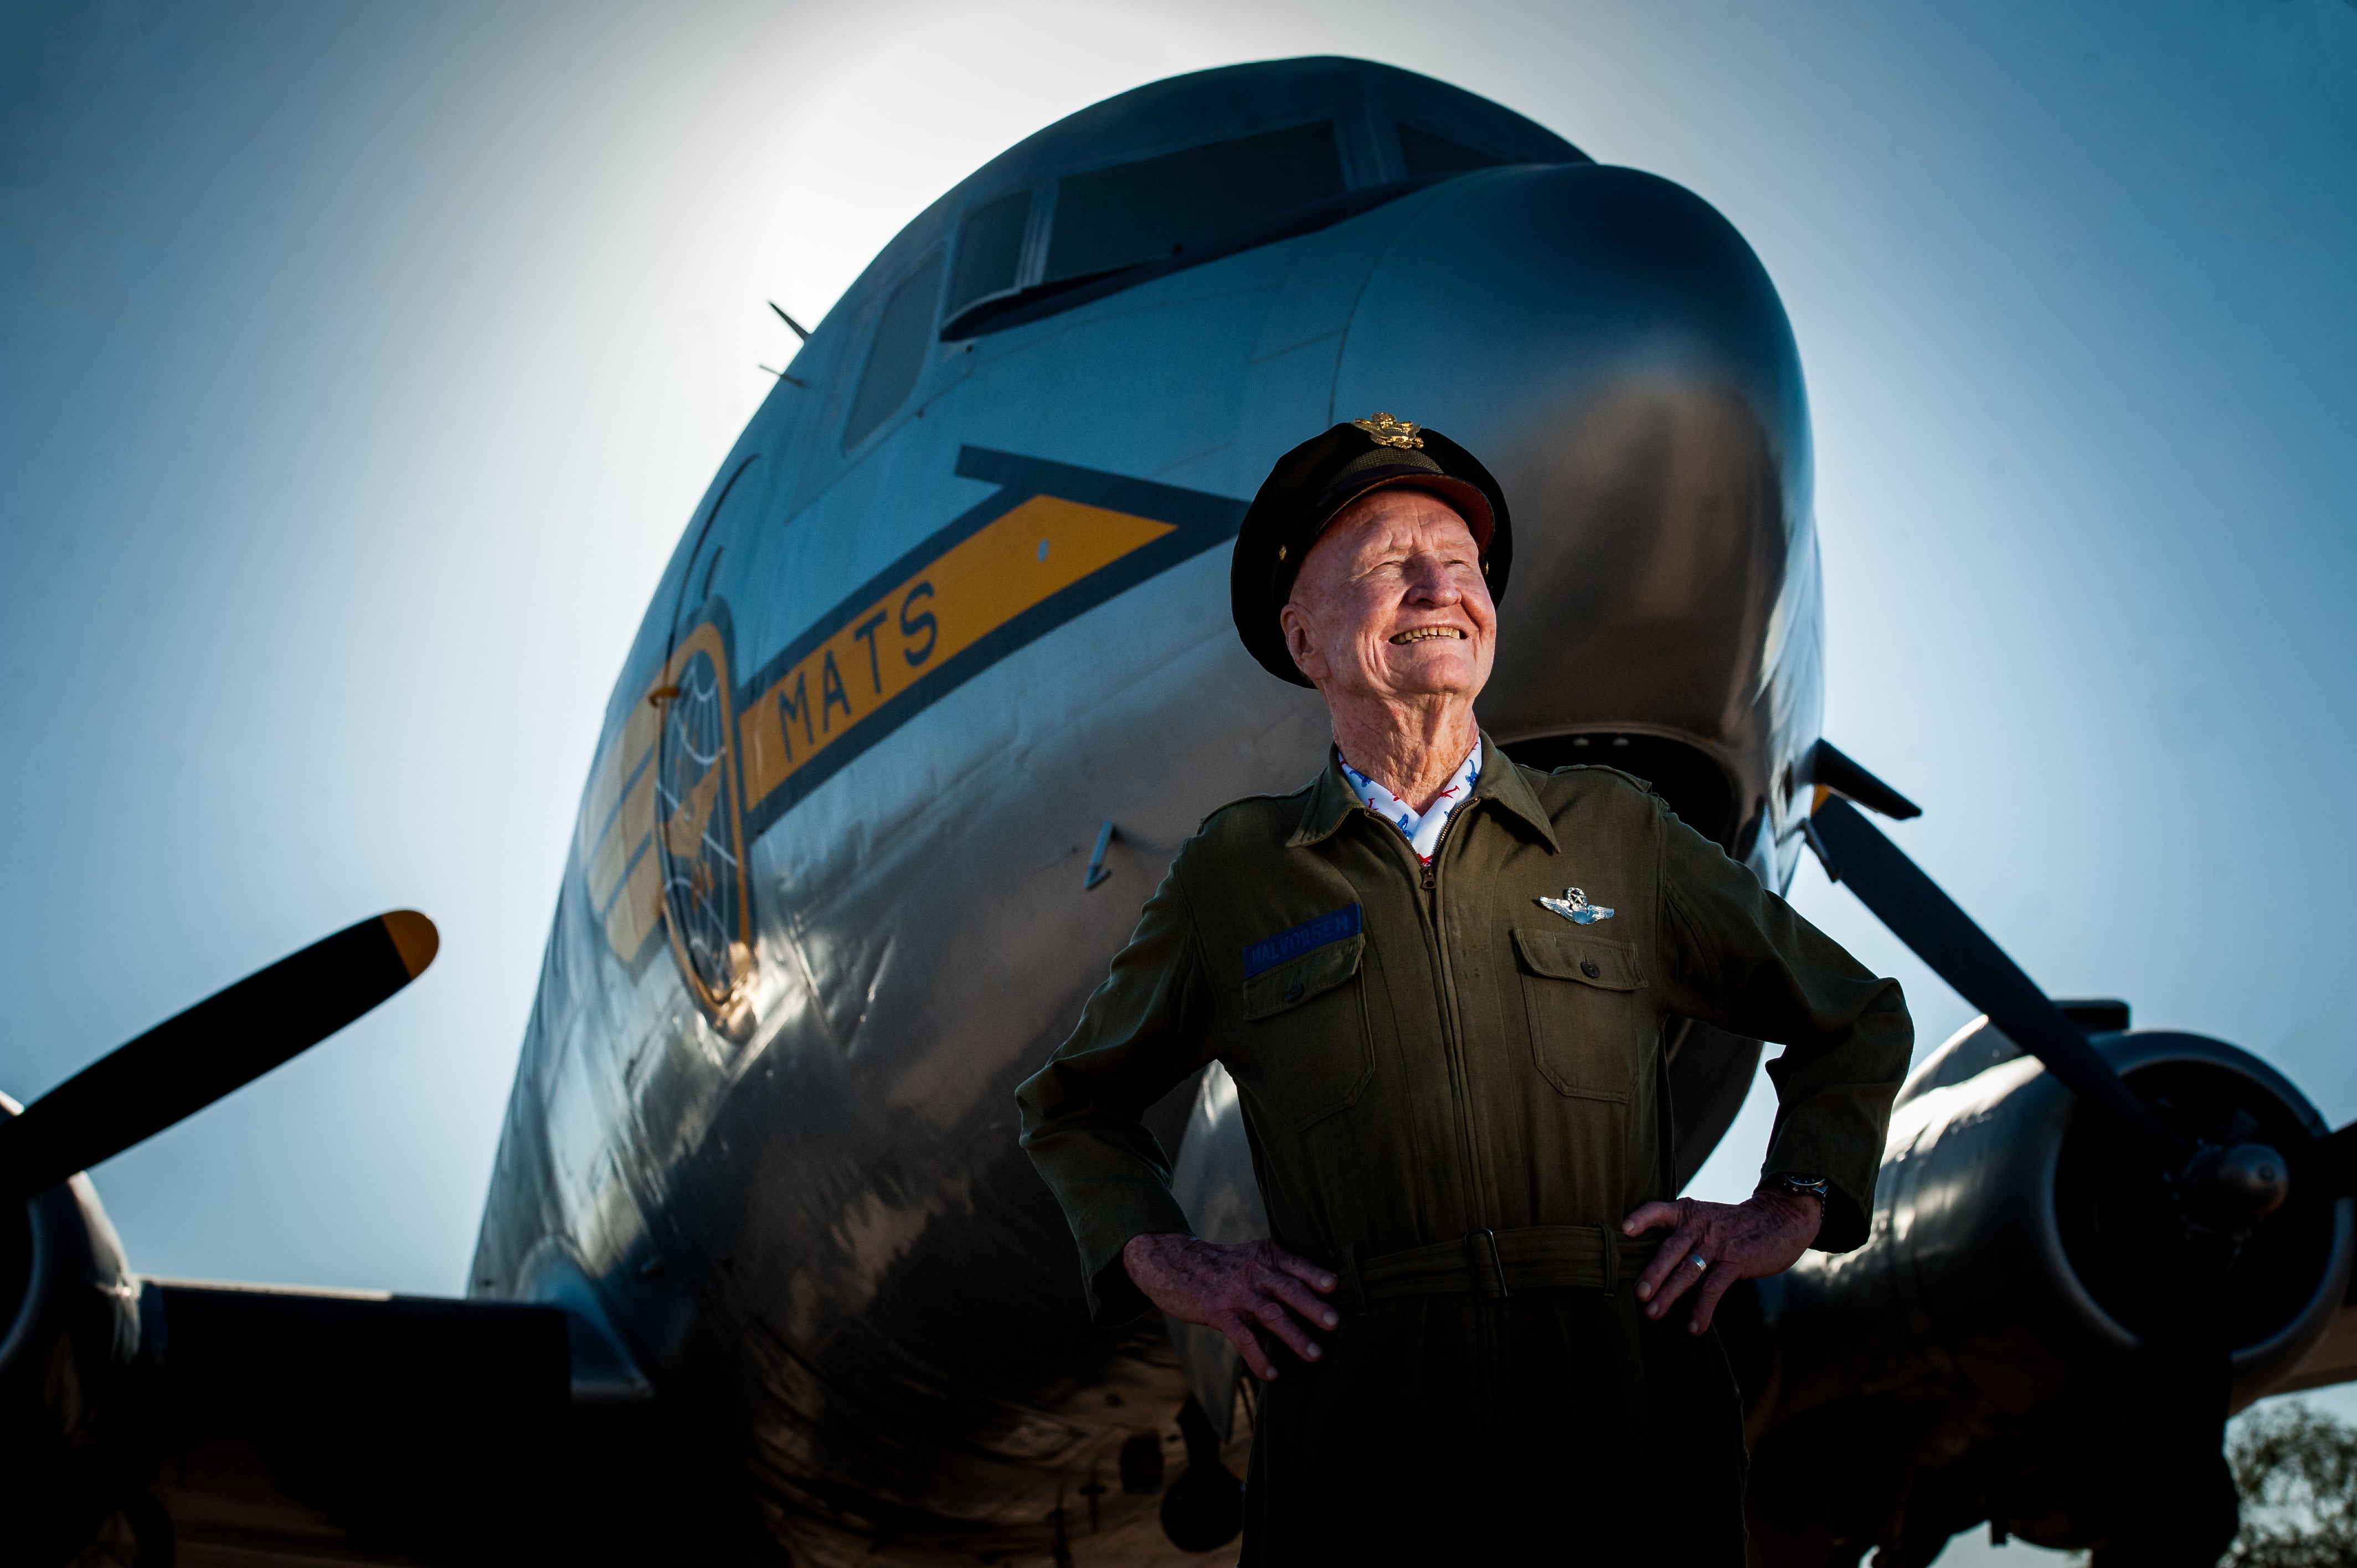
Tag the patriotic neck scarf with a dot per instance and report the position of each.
(1422, 832)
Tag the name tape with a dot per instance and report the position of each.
(1324, 931)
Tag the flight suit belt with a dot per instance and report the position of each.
(1494, 1264)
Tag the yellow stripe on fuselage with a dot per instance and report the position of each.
(623, 837)
(613, 771)
(633, 916)
(969, 591)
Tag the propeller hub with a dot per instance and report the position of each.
(2236, 1187)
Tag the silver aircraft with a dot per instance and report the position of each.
(937, 681)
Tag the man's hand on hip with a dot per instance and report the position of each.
(1715, 1244)
(1254, 1285)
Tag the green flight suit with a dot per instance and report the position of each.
(1453, 1096)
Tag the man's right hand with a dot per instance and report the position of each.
(1234, 1290)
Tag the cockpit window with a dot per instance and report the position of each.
(1161, 206)
(989, 250)
(899, 352)
(1429, 154)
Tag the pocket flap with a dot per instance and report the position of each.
(1568, 955)
(1290, 985)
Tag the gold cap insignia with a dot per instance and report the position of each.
(1386, 431)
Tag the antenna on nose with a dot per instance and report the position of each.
(800, 331)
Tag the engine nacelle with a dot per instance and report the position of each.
(70, 1305)
(2004, 1230)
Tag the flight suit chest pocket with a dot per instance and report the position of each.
(1305, 1024)
(1589, 1026)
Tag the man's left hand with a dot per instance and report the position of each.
(1715, 1244)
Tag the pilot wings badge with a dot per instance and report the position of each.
(1574, 907)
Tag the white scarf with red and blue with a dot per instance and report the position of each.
(1422, 829)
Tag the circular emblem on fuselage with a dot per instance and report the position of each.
(699, 831)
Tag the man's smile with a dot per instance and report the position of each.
(1424, 633)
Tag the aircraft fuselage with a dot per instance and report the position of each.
(828, 899)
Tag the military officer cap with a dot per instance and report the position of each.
(1315, 480)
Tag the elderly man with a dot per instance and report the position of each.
(1439, 981)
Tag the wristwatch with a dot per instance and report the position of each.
(1794, 1182)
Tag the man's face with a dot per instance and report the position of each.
(1390, 603)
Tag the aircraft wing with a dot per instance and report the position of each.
(293, 1425)
(2333, 1360)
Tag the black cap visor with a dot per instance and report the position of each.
(1464, 498)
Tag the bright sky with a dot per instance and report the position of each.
(360, 366)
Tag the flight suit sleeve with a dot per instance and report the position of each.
(1142, 1033)
(1737, 956)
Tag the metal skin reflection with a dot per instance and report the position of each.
(822, 1235)
(773, 1168)
(938, 680)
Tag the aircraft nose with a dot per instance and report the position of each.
(1608, 346)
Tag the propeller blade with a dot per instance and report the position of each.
(1960, 952)
(1829, 767)
(221, 1044)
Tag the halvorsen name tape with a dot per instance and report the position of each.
(1326, 929)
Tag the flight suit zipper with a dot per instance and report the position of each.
(1489, 1348)
(1452, 1032)
(1445, 1006)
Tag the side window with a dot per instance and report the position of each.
(989, 250)
(899, 352)
(1427, 154)
(1162, 207)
